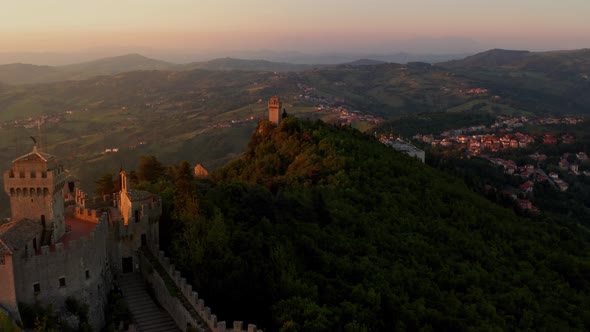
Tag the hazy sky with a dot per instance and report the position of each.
(298, 25)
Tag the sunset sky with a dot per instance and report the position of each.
(296, 25)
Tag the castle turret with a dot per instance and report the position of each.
(274, 110)
(35, 185)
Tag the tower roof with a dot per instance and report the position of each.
(35, 156)
(15, 234)
(138, 195)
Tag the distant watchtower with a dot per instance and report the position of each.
(274, 110)
(35, 184)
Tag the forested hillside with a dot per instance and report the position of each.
(322, 228)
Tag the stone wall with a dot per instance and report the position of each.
(8, 290)
(80, 270)
(193, 311)
(126, 239)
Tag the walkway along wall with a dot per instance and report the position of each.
(179, 299)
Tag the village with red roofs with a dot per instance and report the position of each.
(504, 137)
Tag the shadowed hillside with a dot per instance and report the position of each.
(323, 228)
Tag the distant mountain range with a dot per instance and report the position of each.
(578, 60)
(19, 73)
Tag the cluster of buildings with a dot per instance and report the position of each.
(55, 247)
(476, 91)
(346, 115)
(111, 150)
(30, 122)
(499, 136)
(569, 162)
(402, 146)
(552, 139)
(476, 144)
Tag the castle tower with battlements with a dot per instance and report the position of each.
(274, 110)
(35, 184)
(52, 250)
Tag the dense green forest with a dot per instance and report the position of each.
(322, 228)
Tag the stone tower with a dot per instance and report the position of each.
(274, 110)
(35, 184)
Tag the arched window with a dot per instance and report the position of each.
(19, 192)
(45, 192)
(25, 192)
(39, 192)
(32, 191)
(12, 192)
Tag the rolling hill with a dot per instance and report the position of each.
(20, 73)
(244, 65)
(172, 112)
(29, 74)
(558, 80)
(115, 65)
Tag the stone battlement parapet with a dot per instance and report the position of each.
(91, 215)
(183, 312)
(81, 247)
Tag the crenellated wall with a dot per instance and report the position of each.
(126, 239)
(79, 269)
(192, 310)
(90, 215)
(35, 191)
(80, 197)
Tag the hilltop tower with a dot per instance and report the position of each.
(274, 109)
(35, 184)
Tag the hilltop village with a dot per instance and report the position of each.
(503, 137)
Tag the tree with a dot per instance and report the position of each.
(105, 185)
(150, 169)
(184, 193)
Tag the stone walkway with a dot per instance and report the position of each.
(148, 317)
